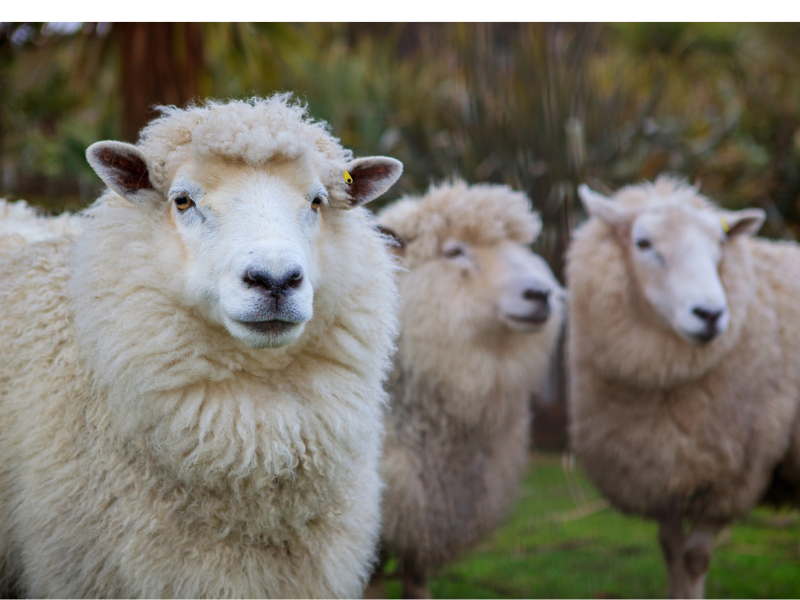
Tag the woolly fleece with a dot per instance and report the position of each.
(21, 224)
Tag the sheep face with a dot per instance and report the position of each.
(249, 235)
(675, 250)
(494, 288)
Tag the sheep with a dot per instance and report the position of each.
(191, 389)
(480, 315)
(683, 344)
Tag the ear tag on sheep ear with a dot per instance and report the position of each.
(725, 227)
(348, 179)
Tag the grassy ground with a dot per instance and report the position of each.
(562, 541)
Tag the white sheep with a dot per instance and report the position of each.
(684, 348)
(480, 316)
(191, 390)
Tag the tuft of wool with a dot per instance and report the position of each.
(21, 223)
(252, 131)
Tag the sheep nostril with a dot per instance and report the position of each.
(533, 294)
(709, 316)
(271, 283)
(295, 279)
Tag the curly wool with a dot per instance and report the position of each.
(252, 131)
(663, 427)
(483, 214)
(21, 224)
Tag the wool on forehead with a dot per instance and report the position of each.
(664, 190)
(481, 214)
(252, 131)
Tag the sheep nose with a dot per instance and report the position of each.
(534, 294)
(275, 284)
(709, 316)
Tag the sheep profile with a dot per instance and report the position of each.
(479, 318)
(191, 388)
(684, 348)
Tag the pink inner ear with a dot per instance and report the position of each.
(364, 181)
(741, 226)
(128, 171)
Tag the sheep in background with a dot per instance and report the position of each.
(480, 315)
(191, 390)
(684, 353)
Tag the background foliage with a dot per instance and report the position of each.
(542, 107)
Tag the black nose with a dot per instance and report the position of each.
(709, 316)
(275, 284)
(534, 294)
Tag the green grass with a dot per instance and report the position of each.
(563, 541)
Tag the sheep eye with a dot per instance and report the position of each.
(453, 252)
(316, 203)
(183, 202)
(643, 244)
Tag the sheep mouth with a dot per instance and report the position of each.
(274, 326)
(529, 322)
(704, 337)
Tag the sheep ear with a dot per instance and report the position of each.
(123, 167)
(394, 241)
(603, 208)
(743, 222)
(370, 177)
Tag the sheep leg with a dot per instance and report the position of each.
(687, 556)
(697, 552)
(415, 581)
(671, 539)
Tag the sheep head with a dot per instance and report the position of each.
(245, 237)
(674, 243)
(472, 241)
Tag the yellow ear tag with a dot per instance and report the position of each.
(348, 179)
(725, 227)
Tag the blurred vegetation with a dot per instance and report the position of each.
(563, 541)
(541, 107)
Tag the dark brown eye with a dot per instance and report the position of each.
(643, 244)
(453, 251)
(316, 203)
(183, 202)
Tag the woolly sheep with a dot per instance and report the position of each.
(191, 389)
(684, 347)
(480, 315)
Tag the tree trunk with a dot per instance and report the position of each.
(161, 64)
